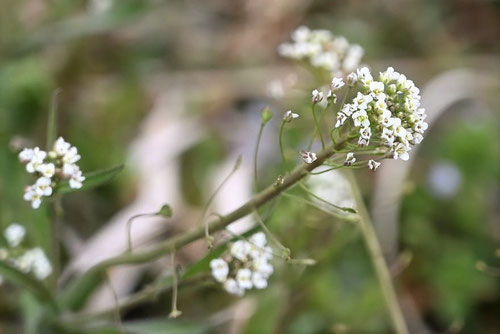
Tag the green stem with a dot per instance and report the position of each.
(378, 261)
(57, 215)
(129, 227)
(175, 312)
(256, 154)
(282, 148)
(237, 164)
(178, 241)
(318, 128)
(285, 250)
(116, 309)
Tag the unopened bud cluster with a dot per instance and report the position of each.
(31, 260)
(51, 168)
(246, 266)
(387, 109)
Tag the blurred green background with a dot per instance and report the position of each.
(115, 61)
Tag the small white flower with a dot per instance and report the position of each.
(366, 133)
(33, 196)
(373, 165)
(61, 147)
(14, 234)
(341, 118)
(41, 266)
(47, 170)
(360, 118)
(364, 75)
(317, 96)
(71, 156)
(308, 157)
(26, 155)
(337, 83)
(259, 239)
(350, 159)
(220, 269)
(37, 159)
(76, 180)
(263, 266)
(377, 87)
(352, 79)
(244, 278)
(43, 186)
(259, 281)
(401, 151)
(240, 250)
(231, 286)
(290, 116)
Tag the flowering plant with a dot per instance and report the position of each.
(373, 120)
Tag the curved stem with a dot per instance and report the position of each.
(318, 128)
(378, 261)
(129, 227)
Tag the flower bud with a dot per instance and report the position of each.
(352, 79)
(265, 115)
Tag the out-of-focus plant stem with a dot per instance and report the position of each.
(379, 264)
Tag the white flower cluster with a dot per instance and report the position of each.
(323, 50)
(27, 260)
(50, 168)
(388, 109)
(247, 265)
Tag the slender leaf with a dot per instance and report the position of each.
(28, 282)
(92, 180)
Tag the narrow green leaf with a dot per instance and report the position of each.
(52, 121)
(28, 282)
(92, 180)
(76, 295)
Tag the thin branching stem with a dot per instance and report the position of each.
(379, 263)
(318, 128)
(198, 232)
(282, 148)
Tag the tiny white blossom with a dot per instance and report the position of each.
(373, 165)
(231, 286)
(71, 156)
(244, 278)
(14, 234)
(337, 83)
(350, 159)
(61, 147)
(341, 118)
(37, 159)
(308, 157)
(258, 239)
(76, 180)
(352, 79)
(26, 155)
(31, 195)
(47, 170)
(220, 269)
(259, 281)
(240, 250)
(290, 116)
(317, 96)
(263, 266)
(43, 186)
